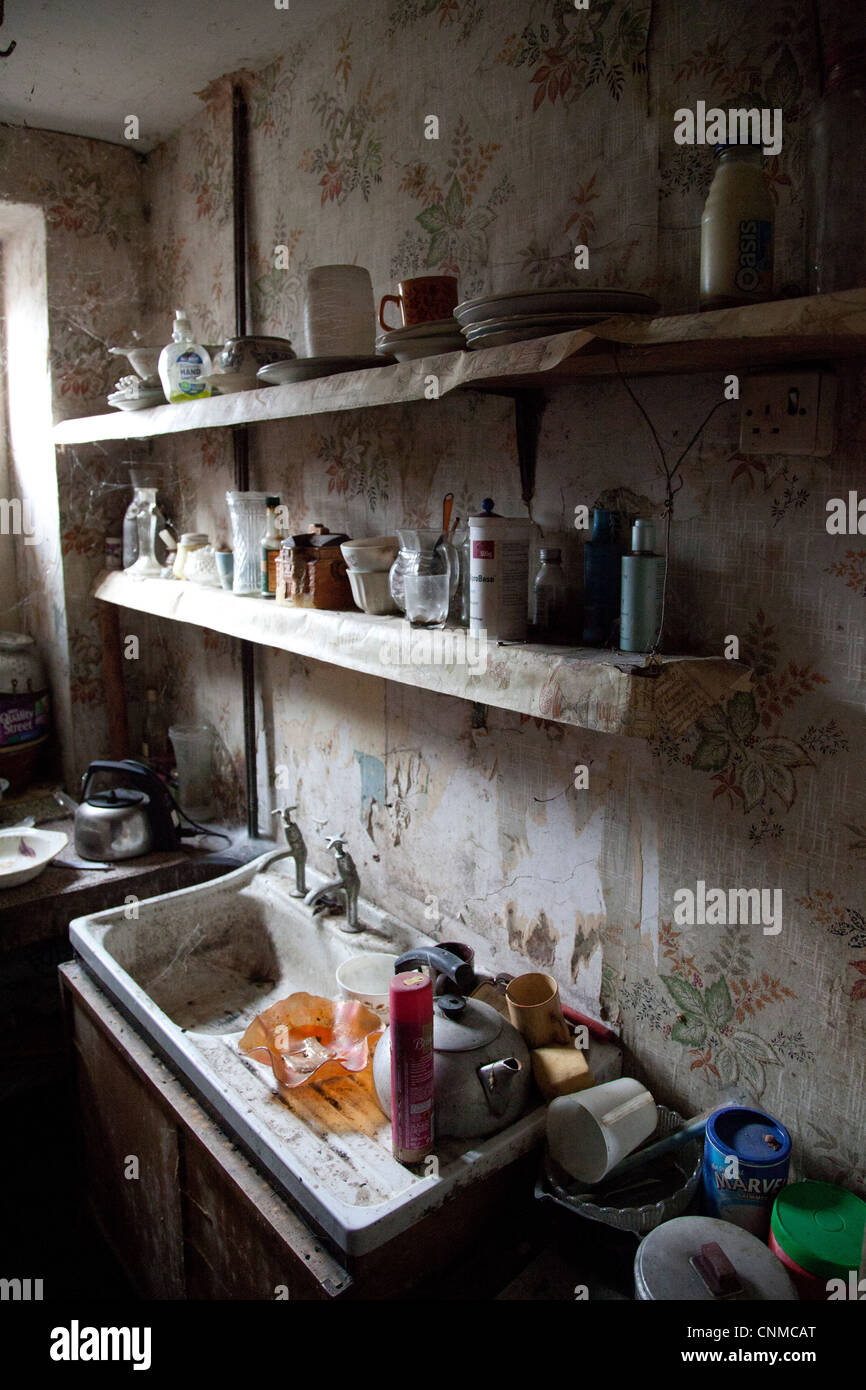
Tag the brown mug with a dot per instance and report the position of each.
(535, 1009)
(423, 299)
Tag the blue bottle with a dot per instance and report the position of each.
(601, 579)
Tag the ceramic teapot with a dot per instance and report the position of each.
(481, 1066)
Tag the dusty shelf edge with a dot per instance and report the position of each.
(582, 687)
(833, 324)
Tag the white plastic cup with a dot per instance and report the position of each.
(590, 1132)
(367, 978)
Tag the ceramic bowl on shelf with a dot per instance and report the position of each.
(227, 383)
(143, 360)
(245, 355)
(370, 554)
(371, 591)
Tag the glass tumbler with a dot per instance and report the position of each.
(248, 513)
(427, 599)
(193, 746)
(423, 551)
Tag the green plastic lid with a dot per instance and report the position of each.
(820, 1227)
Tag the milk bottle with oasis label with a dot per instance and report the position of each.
(737, 231)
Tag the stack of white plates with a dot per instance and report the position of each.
(494, 320)
(421, 340)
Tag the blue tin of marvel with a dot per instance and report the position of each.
(746, 1159)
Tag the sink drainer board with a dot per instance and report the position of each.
(196, 966)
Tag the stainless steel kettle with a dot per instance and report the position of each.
(481, 1069)
(113, 824)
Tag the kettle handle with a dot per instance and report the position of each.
(458, 971)
(103, 765)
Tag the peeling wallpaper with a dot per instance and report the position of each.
(474, 828)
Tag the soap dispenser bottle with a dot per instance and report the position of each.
(184, 365)
(643, 581)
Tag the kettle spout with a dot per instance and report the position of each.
(497, 1079)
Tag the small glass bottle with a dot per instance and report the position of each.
(550, 598)
(271, 541)
(737, 231)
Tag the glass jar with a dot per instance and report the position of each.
(737, 231)
(550, 598)
(837, 177)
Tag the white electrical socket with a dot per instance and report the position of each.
(787, 413)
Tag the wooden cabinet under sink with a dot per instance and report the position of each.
(190, 1217)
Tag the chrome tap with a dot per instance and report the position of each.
(295, 848)
(347, 884)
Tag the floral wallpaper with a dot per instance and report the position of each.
(90, 194)
(555, 129)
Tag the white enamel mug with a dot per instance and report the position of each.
(590, 1132)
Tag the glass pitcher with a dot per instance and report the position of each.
(423, 551)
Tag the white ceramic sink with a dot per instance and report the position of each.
(193, 970)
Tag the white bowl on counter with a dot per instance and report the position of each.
(24, 853)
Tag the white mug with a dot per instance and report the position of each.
(590, 1132)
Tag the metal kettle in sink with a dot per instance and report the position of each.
(481, 1066)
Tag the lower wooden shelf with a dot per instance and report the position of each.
(611, 692)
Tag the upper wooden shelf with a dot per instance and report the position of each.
(612, 692)
(726, 340)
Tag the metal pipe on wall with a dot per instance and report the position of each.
(240, 438)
